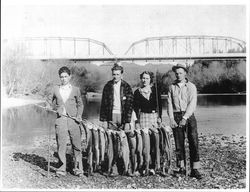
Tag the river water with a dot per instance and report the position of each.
(216, 114)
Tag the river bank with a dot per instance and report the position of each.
(223, 160)
(21, 100)
(9, 102)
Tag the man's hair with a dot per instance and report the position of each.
(117, 67)
(151, 75)
(64, 69)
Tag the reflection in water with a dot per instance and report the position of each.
(91, 110)
(25, 122)
(215, 114)
(216, 100)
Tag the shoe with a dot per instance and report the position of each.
(195, 173)
(60, 173)
(163, 174)
(137, 174)
(113, 174)
(130, 174)
(151, 171)
(182, 171)
(78, 172)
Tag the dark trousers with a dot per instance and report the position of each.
(192, 135)
(116, 123)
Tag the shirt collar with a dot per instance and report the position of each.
(185, 83)
(117, 83)
(68, 86)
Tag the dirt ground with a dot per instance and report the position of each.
(223, 160)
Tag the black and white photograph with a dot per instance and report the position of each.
(124, 95)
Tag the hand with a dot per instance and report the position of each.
(48, 107)
(159, 121)
(105, 125)
(137, 126)
(173, 124)
(78, 119)
(126, 127)
(59, 113)
(182, 122)
(111, 125)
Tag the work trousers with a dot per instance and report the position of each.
(65, 127)
(192, 135)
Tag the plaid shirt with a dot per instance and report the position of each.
(126, 95)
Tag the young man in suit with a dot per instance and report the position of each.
(68, 103)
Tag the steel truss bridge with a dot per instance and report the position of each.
(148, 49)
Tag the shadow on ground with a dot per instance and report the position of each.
(42, 162)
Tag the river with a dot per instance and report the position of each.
(216, 114)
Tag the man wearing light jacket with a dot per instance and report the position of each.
(182, 100)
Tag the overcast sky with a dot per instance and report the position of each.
(119, 26)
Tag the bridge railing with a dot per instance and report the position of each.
(186, 46)
(152, 48)
(63, 47)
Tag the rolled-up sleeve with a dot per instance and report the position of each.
(170, 103)
(192, 102)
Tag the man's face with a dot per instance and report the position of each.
(117, 75)
(65, 78)
(180, 74)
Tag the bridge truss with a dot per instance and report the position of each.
(148, 49)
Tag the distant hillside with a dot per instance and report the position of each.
(132, 71)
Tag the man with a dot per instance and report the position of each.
(69, 107)
(117, 101)
(182, 100)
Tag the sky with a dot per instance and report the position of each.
(118, 26)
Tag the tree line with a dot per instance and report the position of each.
(34, 77)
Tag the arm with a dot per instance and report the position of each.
(103, 112)
(170, 110)
(192, 102)
(50, 98)
(79, 104)
(170, 104)
(136, 105)
(129, 103)
(159, 102)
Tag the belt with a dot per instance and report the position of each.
(179, 112)
(153, 111)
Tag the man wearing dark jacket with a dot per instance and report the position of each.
(117, 100)
(116, 106)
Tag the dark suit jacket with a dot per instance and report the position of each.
(73, 105)
(126, 95)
